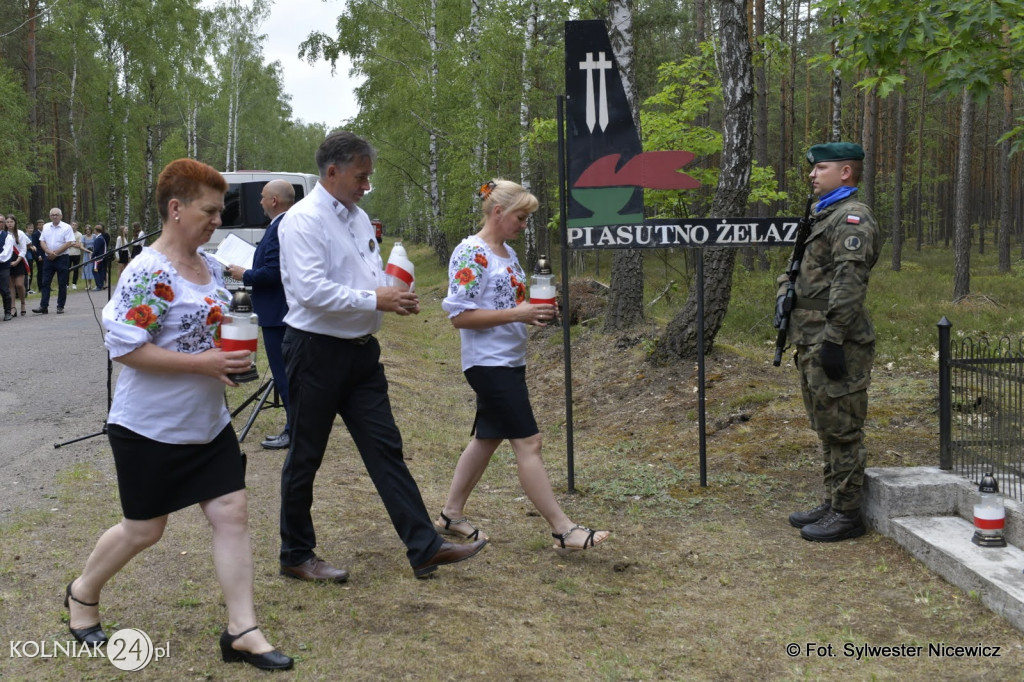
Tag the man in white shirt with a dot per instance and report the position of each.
(56, 239)
(334, 283)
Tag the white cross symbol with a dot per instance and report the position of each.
(591, 65)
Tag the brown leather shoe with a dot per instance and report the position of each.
(448, 553)
(315, 568)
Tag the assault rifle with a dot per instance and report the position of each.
(784, 303)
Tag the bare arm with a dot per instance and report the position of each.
(212, 363)
(530, 313)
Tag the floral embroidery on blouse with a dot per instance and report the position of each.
(519, 287)
(470, 267)
(145, 299)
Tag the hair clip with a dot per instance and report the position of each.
(486, 189)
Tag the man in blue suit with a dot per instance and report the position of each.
(268, 299)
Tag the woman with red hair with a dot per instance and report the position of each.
(168, 426)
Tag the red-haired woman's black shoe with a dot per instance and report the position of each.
(92, 635)
(270, 660)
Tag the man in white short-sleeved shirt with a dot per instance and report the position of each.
(56, 239)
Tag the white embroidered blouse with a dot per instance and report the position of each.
(154, 304)
(478, 278)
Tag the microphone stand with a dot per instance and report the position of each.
(110, 362)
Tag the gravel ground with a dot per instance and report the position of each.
(58, 394)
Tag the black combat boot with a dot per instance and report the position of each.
(835, 526)
(805, 518)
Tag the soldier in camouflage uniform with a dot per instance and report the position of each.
(834, 337)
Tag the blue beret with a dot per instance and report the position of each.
(835, 151)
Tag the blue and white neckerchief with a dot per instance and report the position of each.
(836, 195)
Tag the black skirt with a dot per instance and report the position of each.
(502, 402)
(156, 478)
(19, 269)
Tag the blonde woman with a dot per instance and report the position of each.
(487, 303)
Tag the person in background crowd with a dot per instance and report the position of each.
(19, 268)
(834, 337)
(56, 239)
(162, 325)
(122, 250)
(87, 270)
(139, 234)
(6, 257)
(487, 303)
(100, 247)
(38, 255)
(75, 255)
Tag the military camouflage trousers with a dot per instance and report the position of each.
(837, 410)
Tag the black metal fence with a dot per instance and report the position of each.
(981, 408)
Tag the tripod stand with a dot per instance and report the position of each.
(260, 398)
(101, 259)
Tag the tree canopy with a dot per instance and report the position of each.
(98, 95)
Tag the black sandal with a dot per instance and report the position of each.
(270, 660)
(446, 528)
(92, 635)
(587, 544)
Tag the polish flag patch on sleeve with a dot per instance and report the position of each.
(852, 219)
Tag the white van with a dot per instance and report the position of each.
(242, 215)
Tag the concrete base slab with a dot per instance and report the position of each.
(943, 544)
(895, 492)
(929, 512)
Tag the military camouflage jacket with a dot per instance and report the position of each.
(831, 289)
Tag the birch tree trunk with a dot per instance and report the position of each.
(111, 145)
(234, 87)
(227, 150)
(760, 122)
(868, 135)
(626, 292)
(897, 190)
(36, 199)
(74, 137)
(149, 215)
(1005, 222)
(125, 165)
(919, 184)
(435, 236)
(195, 133)
(682, 335)
(234, 122)
(836, 131)
(961, 221)
(480, 145)
(530, 233)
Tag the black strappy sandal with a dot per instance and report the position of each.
(587, 544)
(446, 528)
